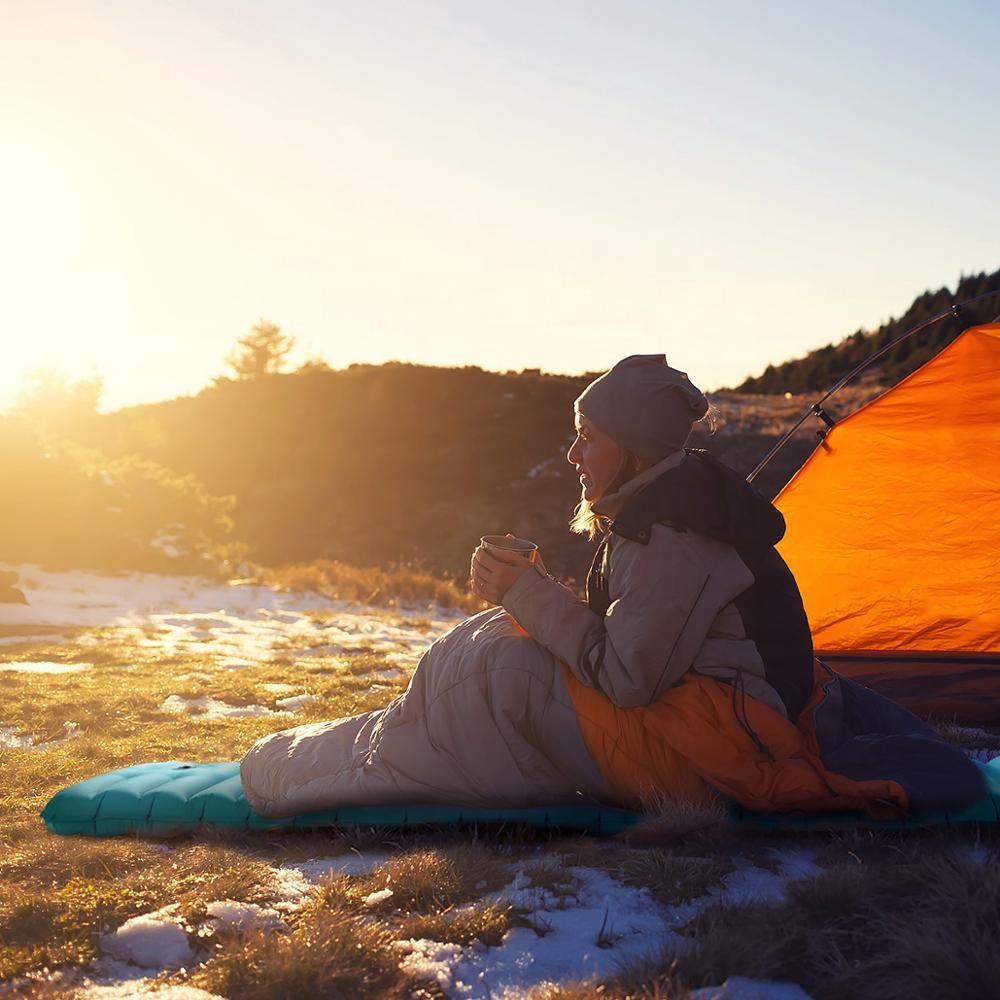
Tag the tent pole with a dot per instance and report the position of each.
(817, 408)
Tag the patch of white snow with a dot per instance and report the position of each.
(583, 933)
(211, 708)
(227, 914)
(151, 940)
(741, 988)
(294, 703)
(127, 988)
(10, 739)
(228, 627)
(354, 863)
(44, 667)
(796, 862)
(750, 884)
(278, 688)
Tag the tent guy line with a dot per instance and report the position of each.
(816, 410)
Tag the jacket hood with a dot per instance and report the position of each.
(708, 497)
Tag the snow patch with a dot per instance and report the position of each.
(290, 887)
(142, 988)
(436, 960)
(796, 862)
(306, 874)
(583, 932)
(44, 667)
(740, 988)
(379, 896)
(750, 884)
(151, 940)
(238, 626)
(294, 703)
(211, 708)
(10, 739)
(584, 924)
(229, 915)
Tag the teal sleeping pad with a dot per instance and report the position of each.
(163, 800)
(167, 799)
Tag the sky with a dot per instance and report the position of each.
(544, 184)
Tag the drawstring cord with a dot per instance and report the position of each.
(740, 683)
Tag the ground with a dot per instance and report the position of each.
(103, 671)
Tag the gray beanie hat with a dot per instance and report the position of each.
(645, 405)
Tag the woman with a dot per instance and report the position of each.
(687, 671)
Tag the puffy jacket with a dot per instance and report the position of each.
(687, 578)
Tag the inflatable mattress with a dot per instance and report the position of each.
(168, 799)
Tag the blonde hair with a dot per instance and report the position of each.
(713, 418)
(586, 521)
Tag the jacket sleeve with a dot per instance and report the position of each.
(665, 597)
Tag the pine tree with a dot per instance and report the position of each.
(262, 351)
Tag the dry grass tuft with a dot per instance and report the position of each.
(550, 875)
(328, 953)
(917, 928)
(944, 944)
(672, 879)
(667, 819)
(372, 585)
(641, 980)
(487, 923)
(434, 878)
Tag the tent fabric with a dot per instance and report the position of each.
(893, 534)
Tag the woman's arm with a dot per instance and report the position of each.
(665, 597)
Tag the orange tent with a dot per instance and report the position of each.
(894, 536)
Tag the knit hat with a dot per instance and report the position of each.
(648, 407)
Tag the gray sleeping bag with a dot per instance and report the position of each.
(486, 721)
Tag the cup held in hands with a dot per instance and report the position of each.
(508, 543)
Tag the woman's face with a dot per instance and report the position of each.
(596, 457)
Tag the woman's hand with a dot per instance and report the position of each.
(494, 571)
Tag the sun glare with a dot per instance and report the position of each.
(46, 241)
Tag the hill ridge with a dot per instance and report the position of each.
(822, 367)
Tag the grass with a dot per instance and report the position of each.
(923, 925)
(487, 923)
(671, 878)
(640, 981)
(330, 952)
(435, 879)
(372, 585)
(58, 895)
(889, 913)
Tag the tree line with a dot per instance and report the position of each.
(819, 369)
